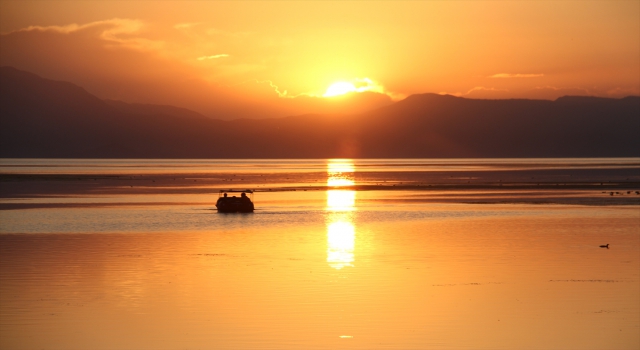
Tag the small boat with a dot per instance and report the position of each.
(234, 204)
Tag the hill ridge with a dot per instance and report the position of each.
(47, 118)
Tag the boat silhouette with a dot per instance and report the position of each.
(234, 204)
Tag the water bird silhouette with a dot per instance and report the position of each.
(605, 246)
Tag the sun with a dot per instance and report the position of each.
(339, 88)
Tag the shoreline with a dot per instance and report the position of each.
(600, 184)
(600, 187)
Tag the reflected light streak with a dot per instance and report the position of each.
(339, 176)
(341, 200)
(339, 182)
(341, 239)
(341, 232)
(340, 173)
(340, 166)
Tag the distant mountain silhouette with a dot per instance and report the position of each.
(46, 118)
(140, 108)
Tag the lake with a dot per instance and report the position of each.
(339, 254)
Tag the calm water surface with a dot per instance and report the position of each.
(336, 269)
(269, 166)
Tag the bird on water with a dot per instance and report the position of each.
(605, 246)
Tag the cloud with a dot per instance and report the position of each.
(275, 88)
(219, 32)
(623, 92)
(518, 75)
(369, 85)
(475, 90)
(484, 88)
(114, 31)
(212, 57)
(366, 84)
(538, 93)
(69, 28)
(553, 92)
(186, 25)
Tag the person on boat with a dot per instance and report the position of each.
(221, 199)
(247, 205)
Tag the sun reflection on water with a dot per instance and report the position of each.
(341, 232)
(341, 200)
(340, 173)
(341, 239)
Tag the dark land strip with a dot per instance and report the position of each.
(599, 186)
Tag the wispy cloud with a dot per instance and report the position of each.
(118, 25)
(366, 84)
(60, 29)
(113, 29)
(618, 91)
(186, 25)
(218, 32)
(212, 57)
(517, 75)
(275, 88)
(474, 89)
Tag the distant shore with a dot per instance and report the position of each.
(606, 186)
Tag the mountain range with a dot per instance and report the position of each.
(53, 119)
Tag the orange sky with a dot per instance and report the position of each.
(264, 59)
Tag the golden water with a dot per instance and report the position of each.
(335, 269)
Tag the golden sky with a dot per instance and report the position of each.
(233, 59)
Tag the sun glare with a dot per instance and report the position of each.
(355, 85)
(339, 88)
